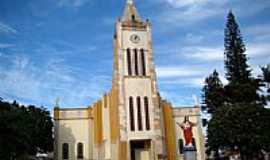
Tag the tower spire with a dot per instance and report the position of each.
(130, 13)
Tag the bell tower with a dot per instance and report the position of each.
(134, 78)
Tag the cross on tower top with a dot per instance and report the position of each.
(129, 1)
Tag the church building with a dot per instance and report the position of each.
(131, 121)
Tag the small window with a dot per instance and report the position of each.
(80, 151)
(143, 63)
(131, 114)
(146, 109)
(129, 62)
(133, 17)
(136, 62)
(65, 151)
(139, 113)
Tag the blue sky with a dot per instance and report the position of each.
(63, 48)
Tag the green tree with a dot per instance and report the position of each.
(213, 92)
(13, 134)
(24, 131)
(40, 129)
(242, 87)
(245, 126)
(242, 121)
(235, 57)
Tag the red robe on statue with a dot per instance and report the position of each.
(187, 128)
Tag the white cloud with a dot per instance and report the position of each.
(176, 99)
(191, 82)
(259, 32)
(203, 53)
(257, 29)
(6, 45)
(189, 3)
(178, 71)
(192, 38)
(73, 3)
(187, 12)
(4, 28)
(182, 13)
(185, 3)
(189, 75)
(244, 9)
(187, 16)
(19, 80)
(28, 83)
(256, 50)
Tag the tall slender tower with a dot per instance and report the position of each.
(134, 80)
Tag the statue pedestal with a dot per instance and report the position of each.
(190, 153)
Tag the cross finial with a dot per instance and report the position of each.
(196, 101)
(57, 102)
(129, 1)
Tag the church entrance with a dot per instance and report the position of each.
(140, 149)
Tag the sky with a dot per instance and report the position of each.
(63, 48)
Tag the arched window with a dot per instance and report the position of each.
(143, 62)
(80, 151)
(139, 113)
(136, 62)
(146, 109)
(129, 62)
(131, 113)
(65, 151)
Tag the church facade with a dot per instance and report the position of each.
(131, 121)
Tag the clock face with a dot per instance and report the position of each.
(135, 38)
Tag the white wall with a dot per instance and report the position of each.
(194, 117)
(74, 129)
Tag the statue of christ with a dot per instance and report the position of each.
(186, 126)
